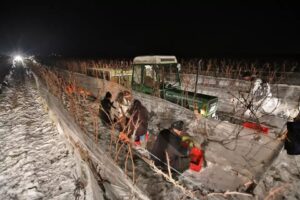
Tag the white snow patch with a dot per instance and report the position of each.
(34, 161)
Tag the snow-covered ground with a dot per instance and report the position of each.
(282, 180)
(35, 163)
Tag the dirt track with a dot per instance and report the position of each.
(34, 161)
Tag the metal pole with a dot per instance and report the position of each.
(198, 69)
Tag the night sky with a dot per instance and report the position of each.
(89, 29)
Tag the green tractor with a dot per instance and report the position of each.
(159, 76)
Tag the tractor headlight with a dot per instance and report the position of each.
(18, 58)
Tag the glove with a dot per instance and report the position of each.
(123, 137)
(187, 142)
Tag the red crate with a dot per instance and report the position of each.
(196, 156)
(257, 127)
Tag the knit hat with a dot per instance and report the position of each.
(179, 125)
(108, 95)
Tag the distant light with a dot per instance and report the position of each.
(18, 58)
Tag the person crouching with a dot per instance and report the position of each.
(169, 142)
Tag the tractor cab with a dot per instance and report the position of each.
(155, 74)
(159, 76)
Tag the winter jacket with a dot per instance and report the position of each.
(104, 111)
(122, 108)
(169, 142)
(292, 143)
(140, 117)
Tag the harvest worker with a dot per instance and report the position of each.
(123, 100)
(169, 141)
(292, 142)
(105, 108)
(138, 122)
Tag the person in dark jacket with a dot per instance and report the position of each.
(138, 122)
(105, 108)
(292, 142)
(169, 141)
